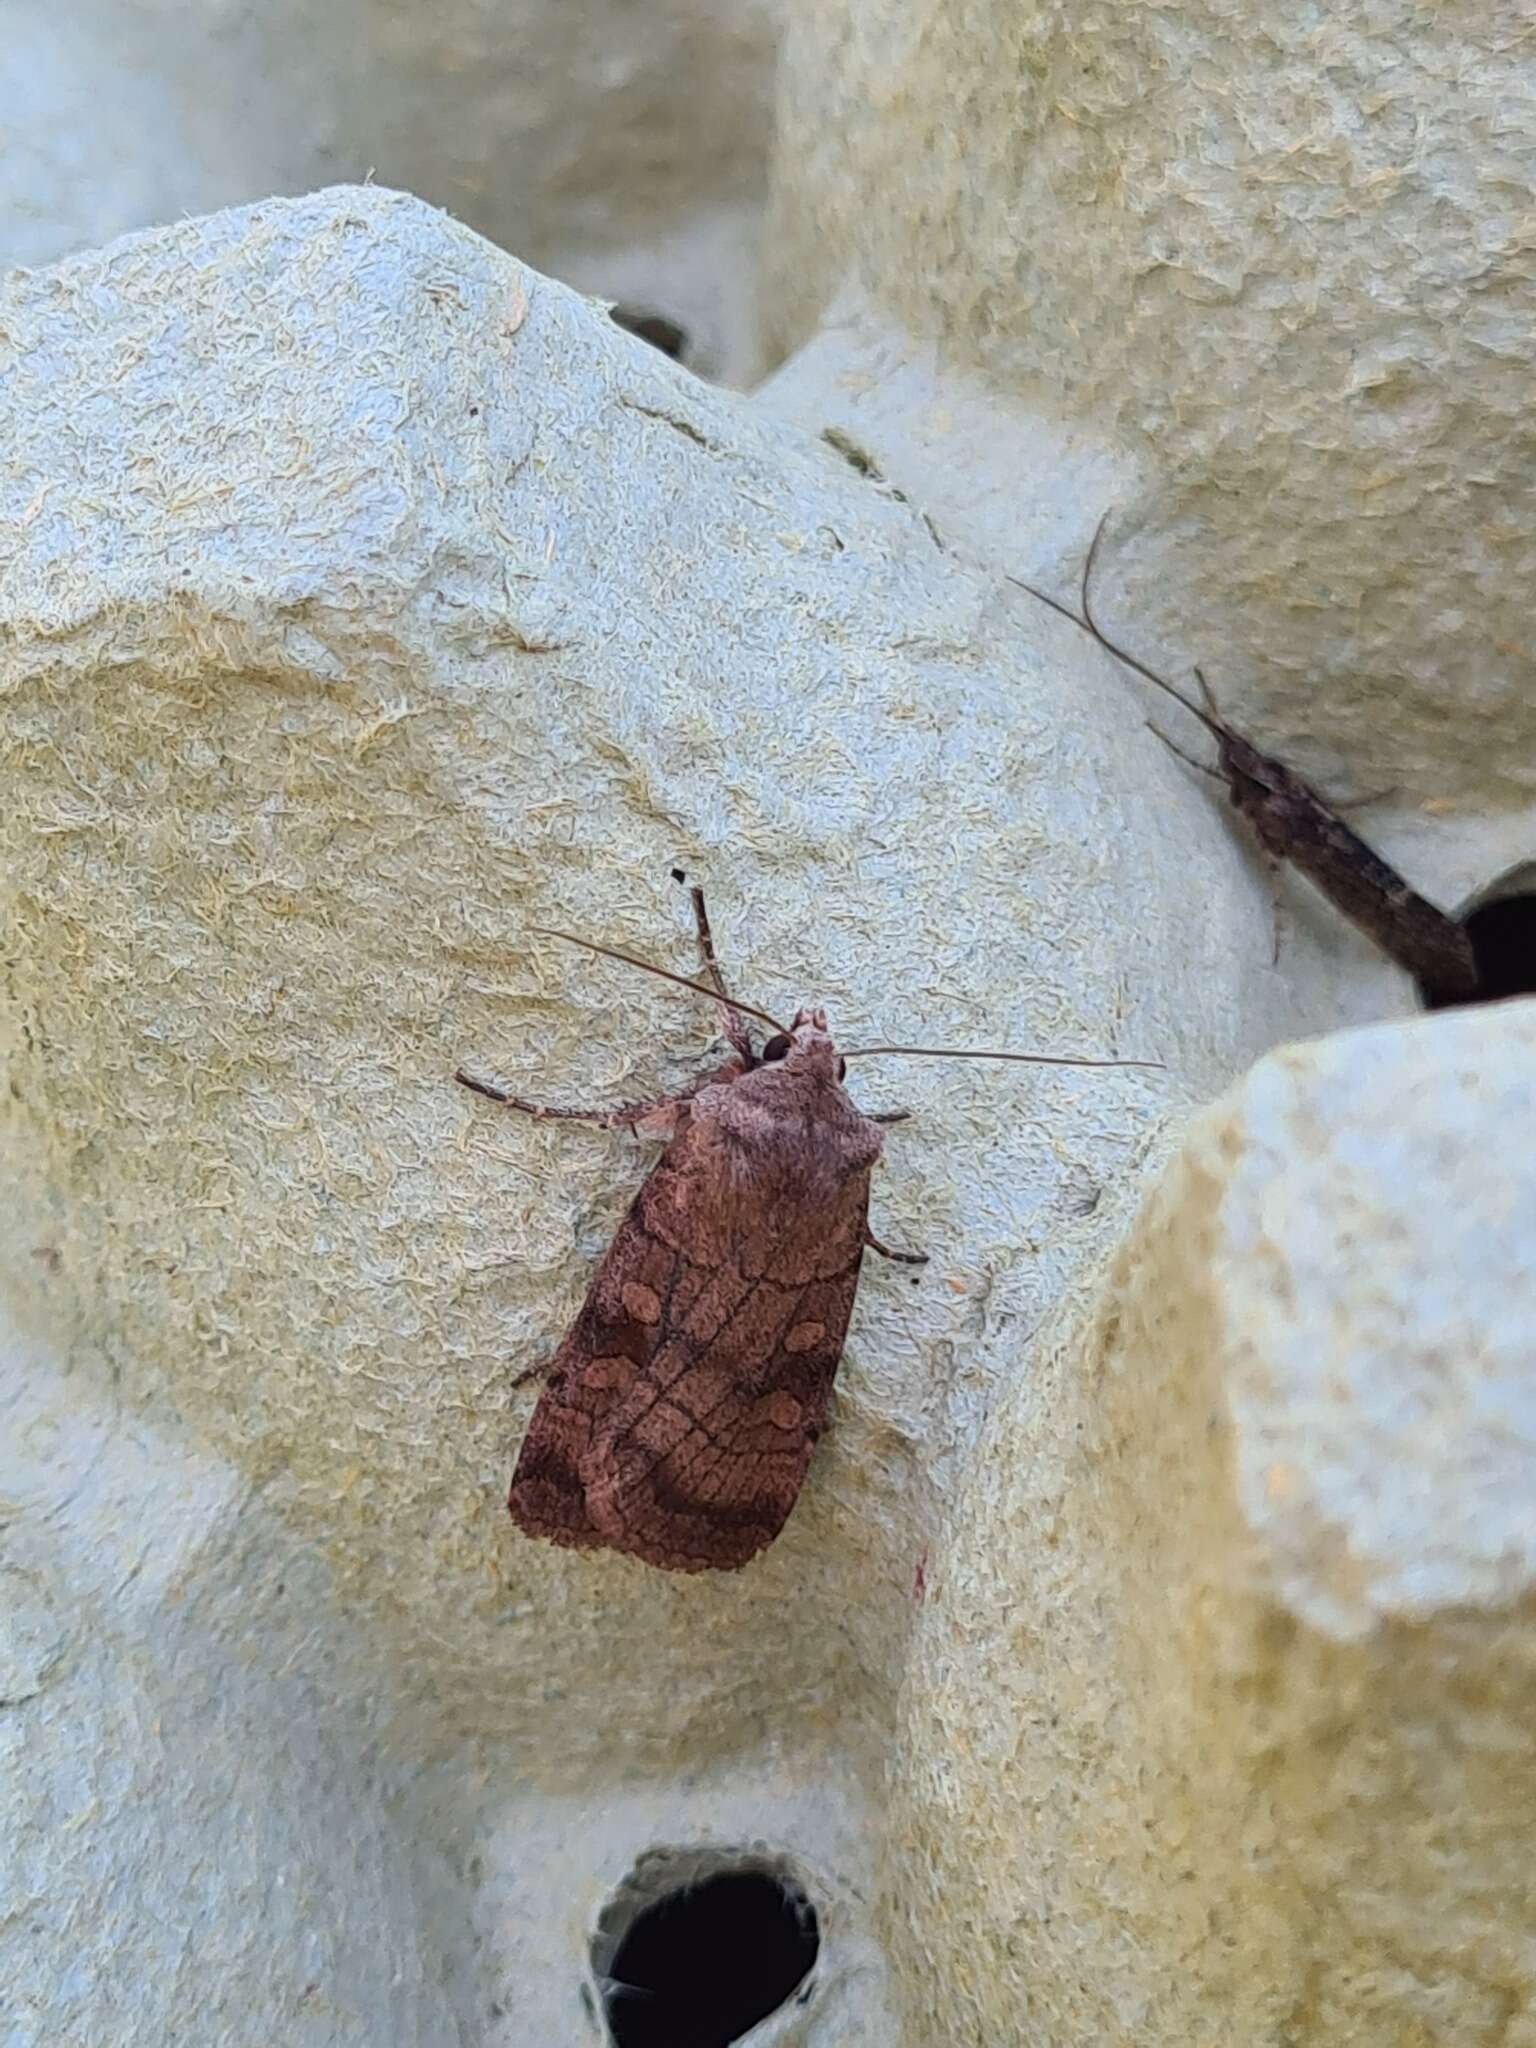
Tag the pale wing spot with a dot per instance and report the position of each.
(605, 1374)
(804, 1336)
(640, 1301)
(783, 1411)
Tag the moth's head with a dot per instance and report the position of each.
(805, 1048)
(1248, 772)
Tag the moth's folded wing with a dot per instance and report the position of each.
(546, 1497)
(606, 1352)
(698, 1467)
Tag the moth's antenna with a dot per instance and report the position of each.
(700, 988)
(956, 1052)
(1089, 624)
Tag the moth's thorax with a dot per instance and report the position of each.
(792, 1115)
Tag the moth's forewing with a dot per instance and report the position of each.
(699, 1467)
(685, 1400)
(601, 1356)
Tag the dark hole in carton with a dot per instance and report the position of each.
(1502, 929)
(655, 328)
(700, 1963)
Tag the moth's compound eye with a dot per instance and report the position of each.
(842, 1070)
(777, 1046)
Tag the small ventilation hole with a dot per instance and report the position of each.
(1502, 928)
(655, 328)
(697, 1948)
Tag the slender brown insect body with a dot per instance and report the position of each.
(1294, 823)
(683, 1404)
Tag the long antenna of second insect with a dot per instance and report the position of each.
(1089, 624)
(700, 988)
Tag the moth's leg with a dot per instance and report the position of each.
(889, 1116)
(731, 1022)
(1272, 867)
(1203, 767)
(654, 1118)
(534, 1372)
(1207, 694)
(899, 1258)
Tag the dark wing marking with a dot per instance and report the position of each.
(605, 1351)
(699, 1467)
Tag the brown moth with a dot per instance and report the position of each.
(683, 1404)
(1292, 822)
